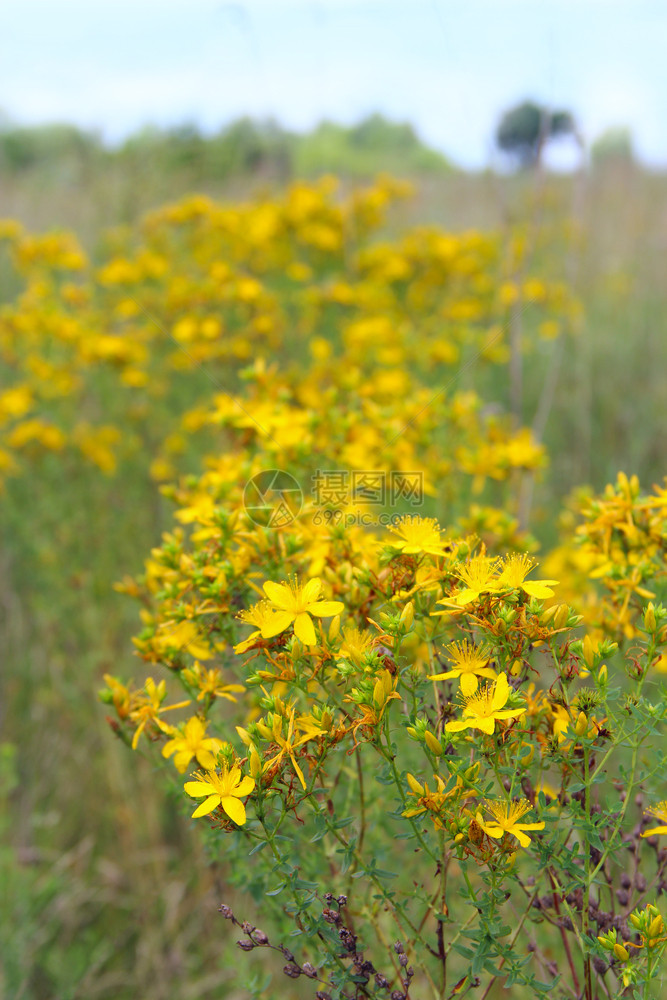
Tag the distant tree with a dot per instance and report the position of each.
(614, 144)
(363, 149)
(525, 130)
(43, 146)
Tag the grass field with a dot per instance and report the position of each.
(95, 900)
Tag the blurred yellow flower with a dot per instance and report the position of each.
(192, 741)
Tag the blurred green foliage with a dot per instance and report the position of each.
(613, 144)
(244, 148)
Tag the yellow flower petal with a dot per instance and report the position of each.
(183, 758)
(458, 726)
(501, 692)
(538, 589)
(280, 595)
(487, 726)
(170, 747)
(492, 831)
(277, 623)
(654, 829)
(304, 629)
(311, 591)
(207, 806)
(234, 809)
(205, 758)
(466, 596)
(468, 684)
(326, 609)
(198, 788)
(442, 677)
(245, 787)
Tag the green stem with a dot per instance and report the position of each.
(588, 986)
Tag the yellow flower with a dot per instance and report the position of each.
(431, 801)
(288, 745)
(183, 636)
(470, 662)
(506, 816)
(190, 742)
(418, 534)
(660, 812)
(484, 707)
(210, 683)
(264, 617)
(296, 604)
(478, 575)
(121, 696)
(515, 569)
(147, 707)
(356, 642)
(223, 788)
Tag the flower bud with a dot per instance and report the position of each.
(408, 616)
(434, 745)
(602, 674)
(561, 616)
(621, 953)
(581, 724)
(649, 618)
(334, 628)
(548, 613)
(255, 762)
(414, 784)
(589, 652)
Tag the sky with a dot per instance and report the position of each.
(450, 67)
